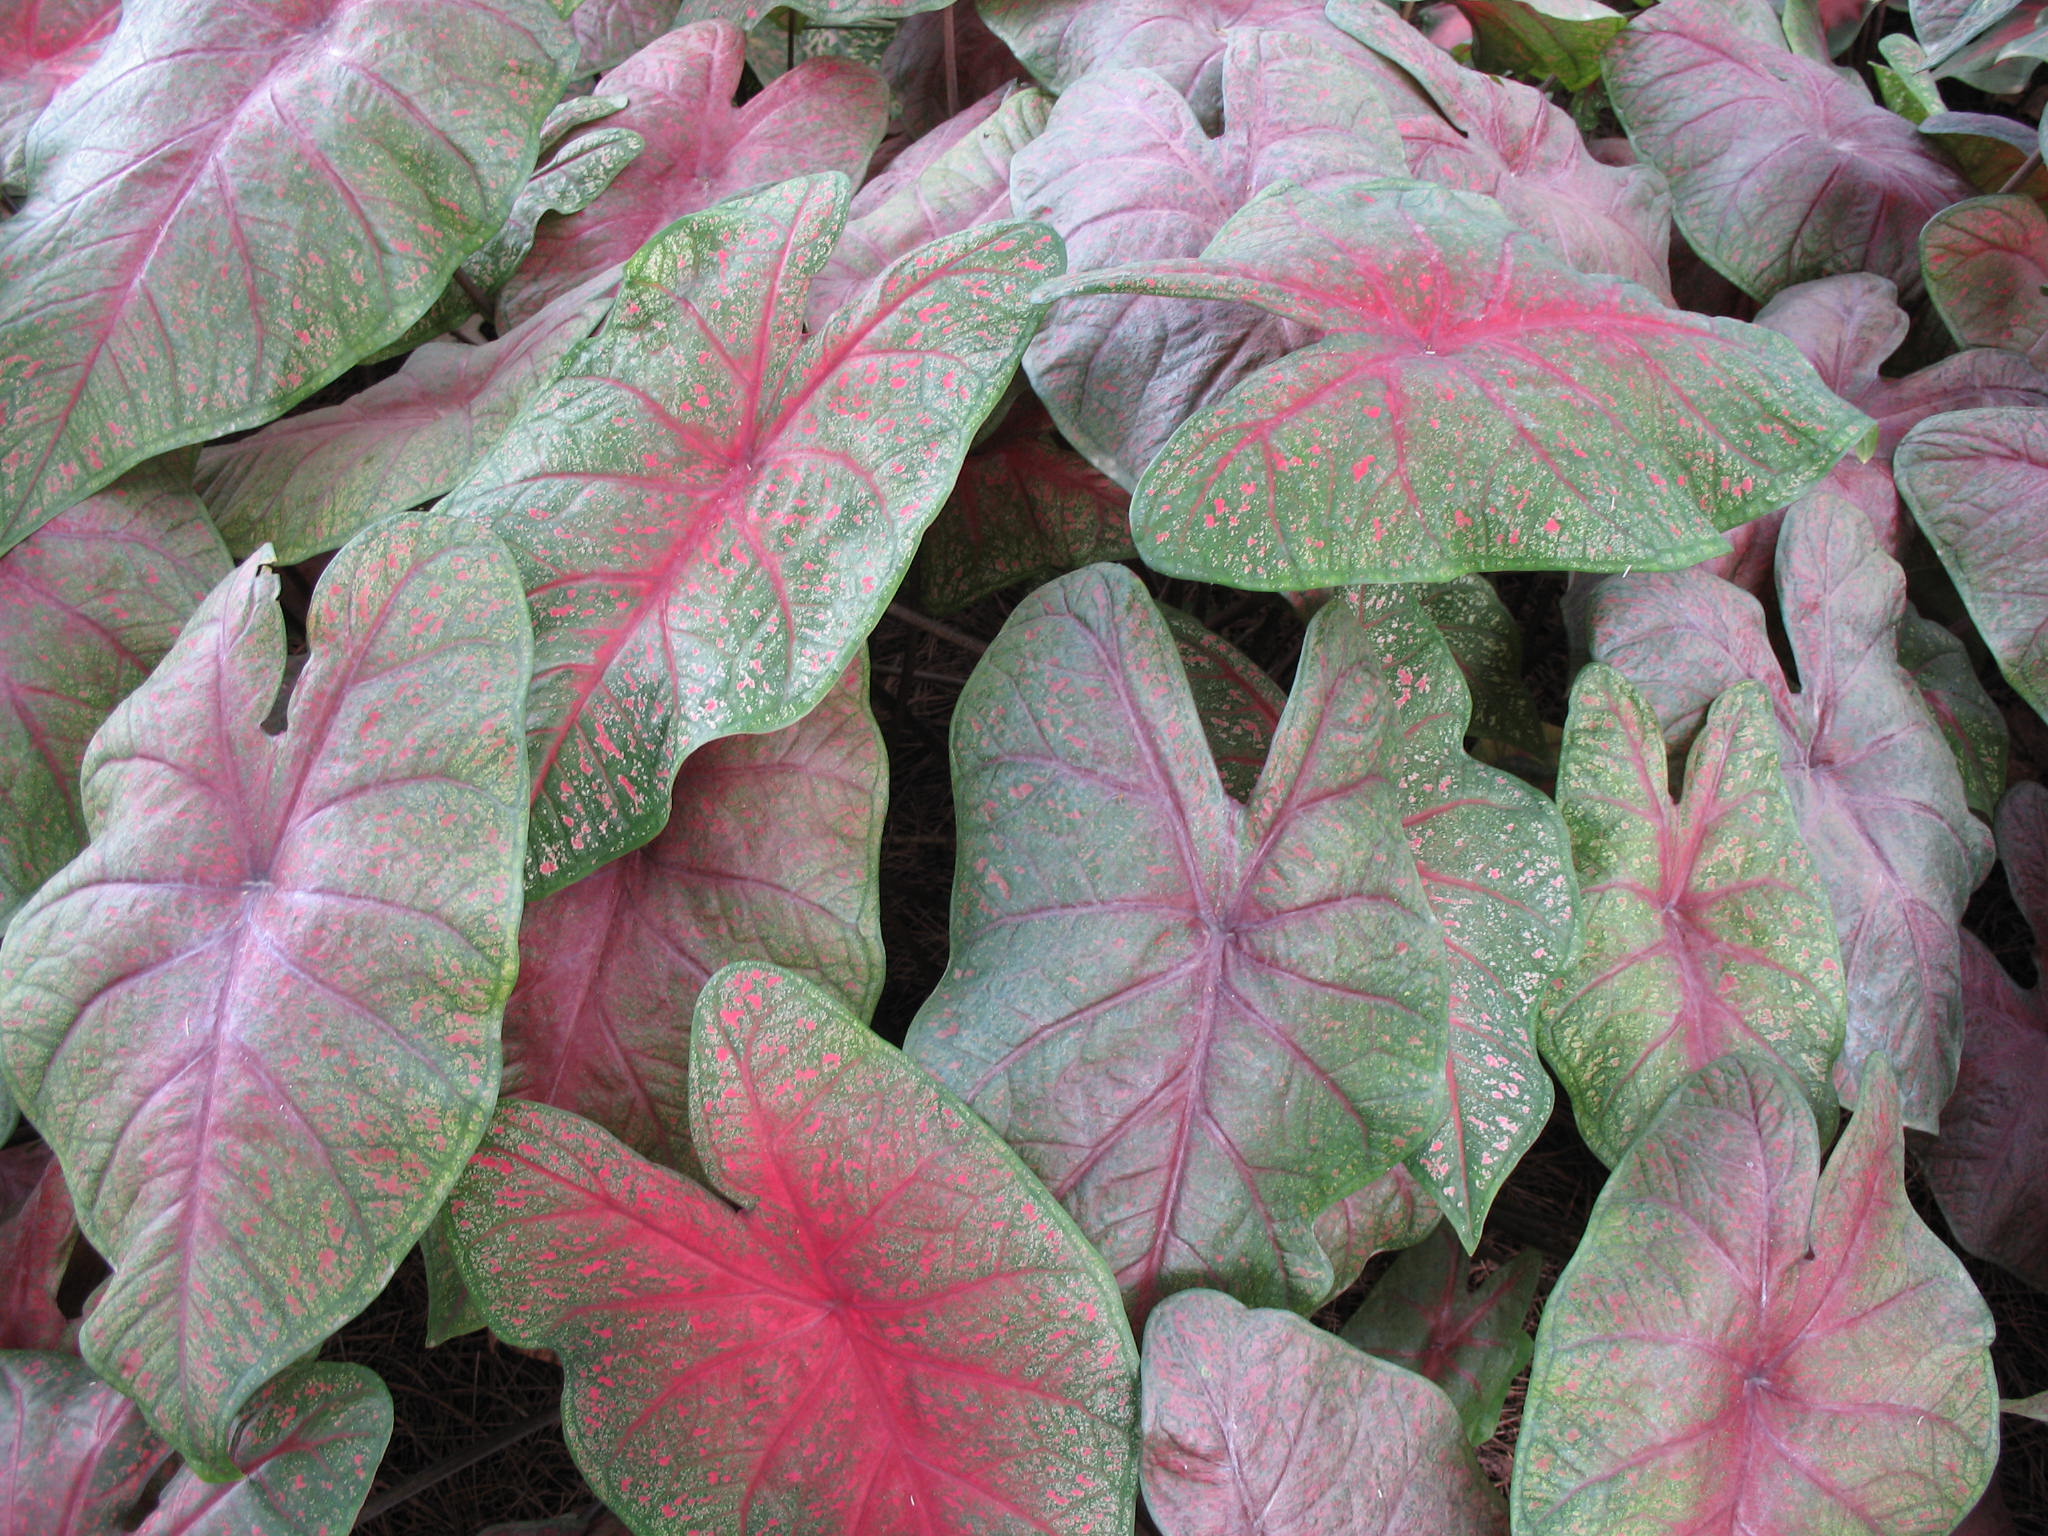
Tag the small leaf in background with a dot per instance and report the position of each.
(1240, 705)
(37, 1231)
(76, 1457)
(898, 1329)
(1125, 171)
(1025, 509)
(770, 851)
(1972, 722)
(938, 62)
(1487, 645)
(1425, 1316)
(826, 115)
(1495, 863)
(1256, 1421)
(88, 605)
(258, 1015)
(44, 46)
(1508, 141)
(311, 482)
(1986, 262)
(1989, 1168)
(1474, 404)
(1745, 1343)
(1707, 929)
(274, 191)
(609, 32)
(1201, 1024)
(1782, 169)
(708, 534)
(913, 203)
(1536, 38)
(1877, 792)
(1977, 482)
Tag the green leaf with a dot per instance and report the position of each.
(707, 532)
(1473, 404)
(1707, 929)
(1986, 260)
(1536, 38)
(1939, 665)
(1745, 1343)
(257, 1017)
(1487, 644)
(1240, 705)
(271, 191)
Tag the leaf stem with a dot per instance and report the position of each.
(2019, 177)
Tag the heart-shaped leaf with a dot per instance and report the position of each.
(1744, 1344)
(274, 190)
(1424, 1315)
(37, 1231)
(708, 533)
(824, 115)
(1255, 1420)
(1474, 404)
(1508, 141)
(1989, 1169)
(1782, 168)
(265, 1043)
(1707, 929)
(309, 483)
(1878, 796)
(1537, 38)
(1487, 644)
(78, 1456)
(1125, 172)
(968, 184)
(1240, 706)
(899, 1329)
(1024, 509)
(771, 850)
(1202, 1024)
(1986, 263)
(44, 46)
(1977, 482)
(88, 605)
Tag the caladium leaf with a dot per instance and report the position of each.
(37, 1231)
(1255, 1420)
(609, 32)
(1240, 706)
(275, 190)
(44, 46)
(1424, 1315)
(1507, 141)
(898, 1329)
(309, 483)
(1124, 171)
(1939, 665)
(79, 1457)
(1989, 1169)
(264, 1046)
(1977, 482)
(938, 61)
(1877, 792)
(825, 115)
(1763, 1347)
(1707, 928)
(1538, 38)
(1474, 404)
(1389, 1214)
(1782, 168)
(1495, 864)
(968, 184)
(705, 564)
(88, 605)
(1024, 509)
(771, 851)
(1202, 1024)
(1487, 645)
(1986, 263)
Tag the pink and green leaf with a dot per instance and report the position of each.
(771, 851)
(1970, 719)
(1202, 1023)
(1486, 642)
(1986, 263)
(1539, 38)
(1240, 705)
(44, 46)
(707, 532)
(1707, 928)
(257, 1016)
(897, 1328)
(1426, 1316)
(1474, 404)
(1255, 1420)
(1745, 1344)
(274, 191)
(88, 605)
